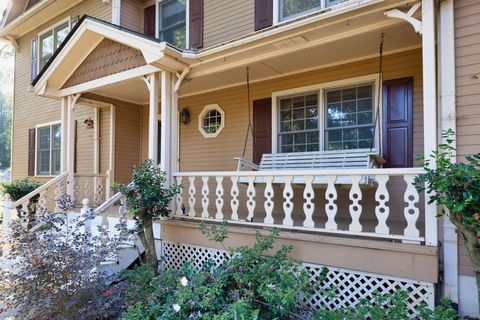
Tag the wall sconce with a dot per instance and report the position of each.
(88, 123)
(185, 116)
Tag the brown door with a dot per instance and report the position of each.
(262, 128)
(149, 21)
(398, 123)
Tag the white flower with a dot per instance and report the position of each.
(271, 286)
(184, 281)
(176, 307)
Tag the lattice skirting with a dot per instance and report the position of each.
(351, 286)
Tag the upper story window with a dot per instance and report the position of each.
(172, 22)
(46, 43)
(48, 149)
(289, 9)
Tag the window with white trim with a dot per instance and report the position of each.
(48, 150)
(211, 121)
(289, 9)
(172, 22)
(344, 120)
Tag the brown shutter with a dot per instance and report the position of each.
(263, 14)
(31, 152)
(398, 123)
(196, 24)
(149, 21)
(262, 128)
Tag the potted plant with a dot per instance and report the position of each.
(148, 199)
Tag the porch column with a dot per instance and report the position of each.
(63, 141)
(429, 109)
(70, 141)
(153, 86)
(168, 131)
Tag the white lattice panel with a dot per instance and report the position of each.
(350, 286)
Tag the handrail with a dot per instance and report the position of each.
(319, 172)
(39, 189)
(91, 175)
(108, 203)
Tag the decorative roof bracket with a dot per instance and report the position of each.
(408, 16)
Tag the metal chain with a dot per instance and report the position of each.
(377, 114)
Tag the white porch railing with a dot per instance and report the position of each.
(91, 186)
(233, 195)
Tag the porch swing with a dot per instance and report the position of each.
(367, 158)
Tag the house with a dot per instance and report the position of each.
(335, 99)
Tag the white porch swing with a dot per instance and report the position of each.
(321, 160)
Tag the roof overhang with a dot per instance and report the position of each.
(85, 37)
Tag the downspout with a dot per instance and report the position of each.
(447, 95)
(116, 11)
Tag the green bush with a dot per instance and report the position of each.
(19, 188)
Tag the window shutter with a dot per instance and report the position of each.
(31, 152)
(263, 14)
(33, 67)
(149, 21)
(196, 24)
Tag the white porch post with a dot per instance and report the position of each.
(153, 86)
(167, 128)
(446, 51)
(429, 108)
(70, 143)
(63, 141)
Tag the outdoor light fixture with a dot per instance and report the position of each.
(185, 116)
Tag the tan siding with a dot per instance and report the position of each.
(467, 52)
(30, 110)
(227, 19)
(107, 58)
(132, 15)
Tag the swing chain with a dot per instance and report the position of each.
(377, 111)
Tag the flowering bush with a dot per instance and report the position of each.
(53, 270)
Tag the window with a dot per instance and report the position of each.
(48, 150)
(48, 42)
(349, 118)
(173, 22)
(289, 9)
(211, 121)
(331, 116)
(299, 128)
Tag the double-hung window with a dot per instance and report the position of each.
(342, 119)
(289, 9)
(172, 22)
(48, 150)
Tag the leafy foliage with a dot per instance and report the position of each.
(19, 188)
(148, 198)
(54, 270)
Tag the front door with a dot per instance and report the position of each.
(262, 128)
(398, 123)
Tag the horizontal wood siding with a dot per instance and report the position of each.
(30, 110)
(108, 58)
(132, 15)
(226, 20)
(467, 54)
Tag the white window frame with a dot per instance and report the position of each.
(210, 107)
(320, 89)
(277, 6)
(43, 125)
(47, 30)
(187, 21)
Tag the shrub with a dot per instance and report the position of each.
(148, 199)
(17, 189)
(54, 270)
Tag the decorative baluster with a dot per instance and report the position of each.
(122, 212)
(23, 213)
(76, 189)
(60, 188)
(99, 192)
(191, 199)
(411, 212)
(234, 202)
(219, 202)
(251, 198)
(179, 197)
(382, 211)
(308, 206)
(205, 200)
(87, 219)
(288, 204)
(42, 201)
(355, 208)
(269, 193)
(331, 207)
(86, 189)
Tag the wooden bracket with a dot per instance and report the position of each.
(407, 16)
